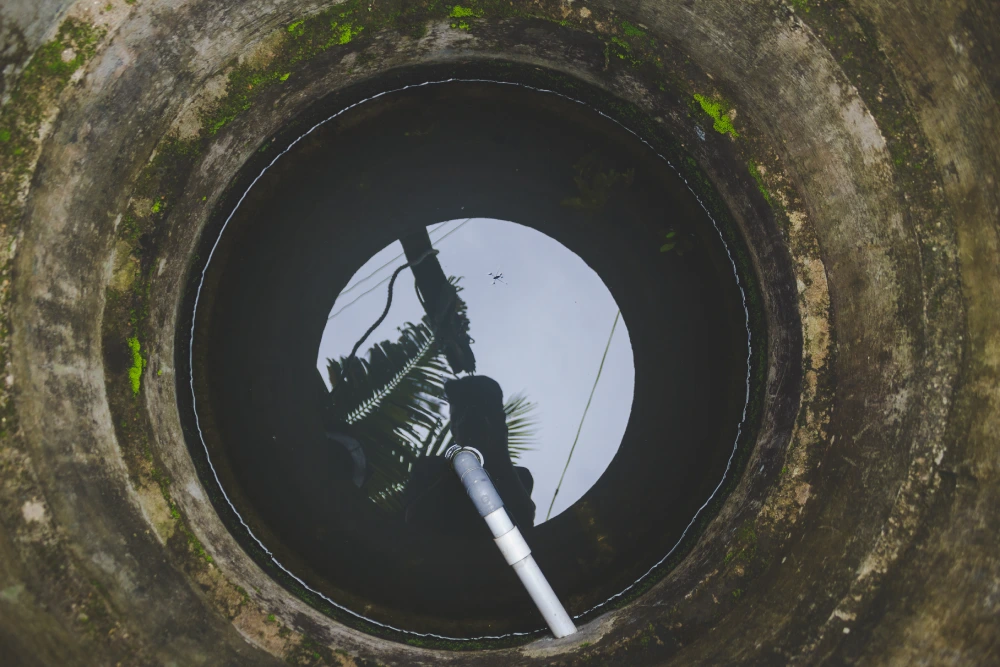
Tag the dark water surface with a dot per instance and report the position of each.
(631, 237)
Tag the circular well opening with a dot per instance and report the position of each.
(391, 168)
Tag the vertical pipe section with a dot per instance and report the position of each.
(468, 464)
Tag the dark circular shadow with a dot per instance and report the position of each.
(366, 178)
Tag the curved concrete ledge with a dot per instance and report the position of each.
(855, 146)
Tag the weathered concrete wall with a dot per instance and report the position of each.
(24, 26)
(867, 132)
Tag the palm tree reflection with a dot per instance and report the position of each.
(392, 401)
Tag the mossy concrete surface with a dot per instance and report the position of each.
(856, 145)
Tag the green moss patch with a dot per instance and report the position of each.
(459, 12)
(138, 364)
(718, 110)
(632, 30)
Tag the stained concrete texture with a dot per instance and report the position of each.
(855, 143)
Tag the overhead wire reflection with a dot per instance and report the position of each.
(385, 280)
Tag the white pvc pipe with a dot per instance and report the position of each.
(468, 464)
(545, 598)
